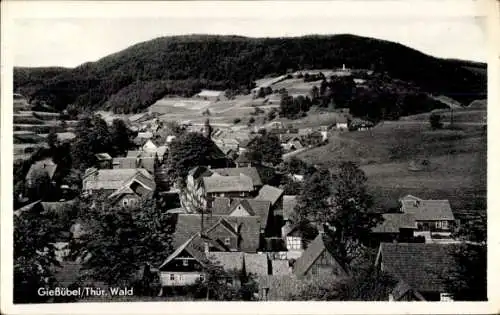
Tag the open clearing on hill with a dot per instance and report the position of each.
(457, 162)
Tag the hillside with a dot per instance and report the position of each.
(132, 79)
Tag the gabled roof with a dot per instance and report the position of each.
(244, 203)
(392, 222)
(289, 203)
(260, 208)
(112, 178)
(428, 210)
(46, 165)
(103, 157)
(251, 172)
(210, 93)
(230, 261)
(149, 146)
(269, 193)
(420, 265)
(256, 264)
(217, 183)
(310, 255)
(189, 224)
(199, 256)
(409, 197)
(140, 153)
(225, 224)
(147, 163)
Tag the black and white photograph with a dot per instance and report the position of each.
(252, 151)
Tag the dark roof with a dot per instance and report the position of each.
(392, 222)
(147, 163)
(310, 255)
(236, 171)
(428, 210)
(280, 286)
(258, 208)
(221, 205)
(230, 261)
(269, 193)
(256, 264)
(115, 178)
(420, 265)
(196, 254)
(289, 203)
(189, 224)
(217, 183)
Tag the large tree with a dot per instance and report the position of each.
(92, 136)
(466, 279)
(119, 242)
(266, 149)
(187, 151)
(339, 203)
(121, 137)
(34, 254)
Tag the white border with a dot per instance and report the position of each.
(424, 8)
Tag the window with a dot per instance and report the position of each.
(444, 224)
(202, 277)
(227, 241)
(185, 262)
(294, 242)
(172, 277)
(438, 224)
(125, 202)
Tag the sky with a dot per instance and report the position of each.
(71, 33)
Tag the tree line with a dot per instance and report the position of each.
(182, 65)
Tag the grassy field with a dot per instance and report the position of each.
(466, 115)
(457, 162)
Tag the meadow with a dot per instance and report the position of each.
(457, 162)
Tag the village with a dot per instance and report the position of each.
(228, 211)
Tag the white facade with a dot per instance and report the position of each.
(171, 278)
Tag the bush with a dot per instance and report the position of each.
(251, 120)
(236, 121)
(435, 121)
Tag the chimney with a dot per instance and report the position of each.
(206, 247)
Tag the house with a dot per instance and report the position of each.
(220, 232)
(360, 125)
(317, 261)
(210, 95)
(394, 227)
(421, 269)
(430, 215)
(143, 137)
(140, 153)
(243, 160)
(149, 146)
(293, 240)
(185, 266)
(251, 172)
(244, 207)
(147, 163)
(342, 124)
(227, 186)
(46, 166)
(291, 142)
(139, 187)
(104, 160)
(109, 181)
(272, 194)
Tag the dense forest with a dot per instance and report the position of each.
(132, 79)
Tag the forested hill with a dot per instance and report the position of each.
(145, 72)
